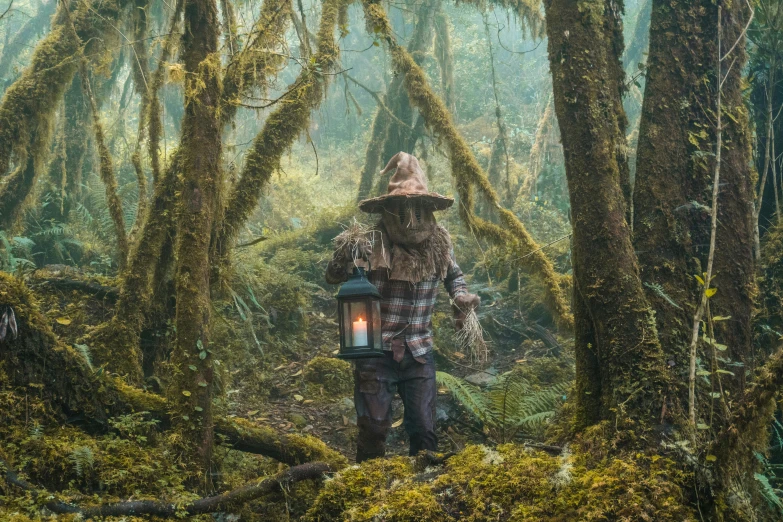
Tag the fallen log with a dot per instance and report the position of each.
(212, 504)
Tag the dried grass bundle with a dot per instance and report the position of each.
(471, 338)
(357, 239)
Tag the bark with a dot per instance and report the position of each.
(445, 57)
(201, 150)
(106, 171)
(585, 43)
(392, 129)
(117, 342)
(372, 156)
(672, 197)
(399, 135)
(28, 106)
(141, 79)
(155, 116)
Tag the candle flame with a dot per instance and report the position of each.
(359, 320)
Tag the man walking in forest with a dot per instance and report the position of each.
(409, 255)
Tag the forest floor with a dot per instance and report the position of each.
(276, 389)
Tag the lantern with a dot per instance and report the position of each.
(359, 313)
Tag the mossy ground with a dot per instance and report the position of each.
(510, 482)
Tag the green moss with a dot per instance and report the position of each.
(280, 130)
(331, 373)
(356, 484)
(511, 482)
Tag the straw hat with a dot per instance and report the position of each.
(407, 183)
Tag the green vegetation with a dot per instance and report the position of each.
(174, 173)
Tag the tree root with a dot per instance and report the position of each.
(222, 502)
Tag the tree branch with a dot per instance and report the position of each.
(242, 495)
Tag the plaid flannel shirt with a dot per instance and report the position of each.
(406, 308)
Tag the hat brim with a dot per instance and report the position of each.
(375, 205)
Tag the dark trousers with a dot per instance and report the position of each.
(375, 382)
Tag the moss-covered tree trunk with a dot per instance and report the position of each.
(28, 106)
(675, 164)
(617, 345)
(201, 150)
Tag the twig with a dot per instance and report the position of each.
(377, 98)
(713, 233)
(251, 243)
(10, 5)
(742, 34)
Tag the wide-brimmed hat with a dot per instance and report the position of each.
(407, 183)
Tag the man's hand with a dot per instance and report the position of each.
(462, 305)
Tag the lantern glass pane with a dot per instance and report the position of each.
(376, 325)
(355, 323)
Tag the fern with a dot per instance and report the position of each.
(83, 460)
(769, 493)
(468, 395)
(658, 289)
(510, 406)
(84, 351)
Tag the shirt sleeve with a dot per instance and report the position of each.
(455, 280)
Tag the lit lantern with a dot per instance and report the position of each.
(359, 313)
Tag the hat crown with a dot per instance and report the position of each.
(408, 179)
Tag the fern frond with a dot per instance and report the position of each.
(84, 351)
(83, 460)
(768, 492)
(468, 395)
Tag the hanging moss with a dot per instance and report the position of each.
(280, 130)
(468, 173)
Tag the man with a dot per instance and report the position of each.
(409, 256)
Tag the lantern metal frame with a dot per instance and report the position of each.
(360, 291)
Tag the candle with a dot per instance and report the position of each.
(360, 332)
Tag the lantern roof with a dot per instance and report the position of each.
(358, 286)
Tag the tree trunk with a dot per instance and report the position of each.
(672, 197)
(201, 149)
(585, 43)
